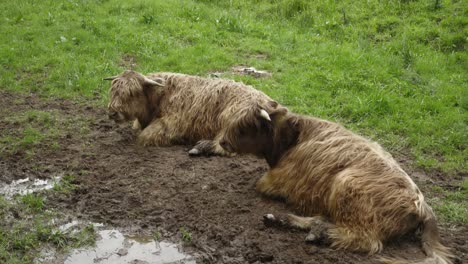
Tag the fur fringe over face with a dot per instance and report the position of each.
(323, 169)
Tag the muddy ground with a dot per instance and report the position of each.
(150, 189)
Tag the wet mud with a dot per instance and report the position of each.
(164, 190)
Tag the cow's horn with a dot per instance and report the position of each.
(264, 114)
(152, 82)
(111, 78)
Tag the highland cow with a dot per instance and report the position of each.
(354, 193)
(172, 108)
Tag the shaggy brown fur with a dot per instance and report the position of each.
(326, 171)
(175, 108)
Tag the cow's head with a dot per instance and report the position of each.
(254, 130)
(129, 95)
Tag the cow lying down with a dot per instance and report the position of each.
(355, 193)
(172, 108)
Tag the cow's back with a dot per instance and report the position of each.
(201, 107)
(334, 172)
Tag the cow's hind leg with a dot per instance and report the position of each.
(323, 232)
(317, 226)
(355, 239)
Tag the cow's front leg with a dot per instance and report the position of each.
(270, 184)
(157, 133)
(203, 147)
(208, 148)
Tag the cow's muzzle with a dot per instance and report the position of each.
(116, 116)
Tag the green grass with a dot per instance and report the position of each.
(33, 128)
(395, 70)
(66, 184)
(157, 235)
(186, 235)
(452, 205)
(26, 227)
(33, 202)
(29, 130)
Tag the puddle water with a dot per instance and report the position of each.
(114, 247)
(25, 186)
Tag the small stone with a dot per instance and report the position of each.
(122, 252)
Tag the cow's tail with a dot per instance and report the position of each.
(430, 239)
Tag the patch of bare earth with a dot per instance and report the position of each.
(128, 61)
(242, 70)
(163, 189)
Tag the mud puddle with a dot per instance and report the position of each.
(26, 186)
(114, 247)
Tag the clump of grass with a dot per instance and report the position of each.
(157, 235)
(31, 136)
(66, 184)
(33, 201)
(186, 235)
(85, 237)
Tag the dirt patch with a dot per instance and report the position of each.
(163, 189)
(241, 70)
(245, 70)
(128, 61)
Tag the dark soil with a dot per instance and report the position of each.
(163, 189)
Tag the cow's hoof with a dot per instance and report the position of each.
(269, 217)
(271, 221)
(194, 152)
(311, 238)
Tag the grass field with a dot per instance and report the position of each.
(394, 71)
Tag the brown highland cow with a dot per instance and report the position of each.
(354, 193)
(172, 108)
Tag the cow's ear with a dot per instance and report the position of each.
(278, 113)
(154, 82)
(273, 104)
